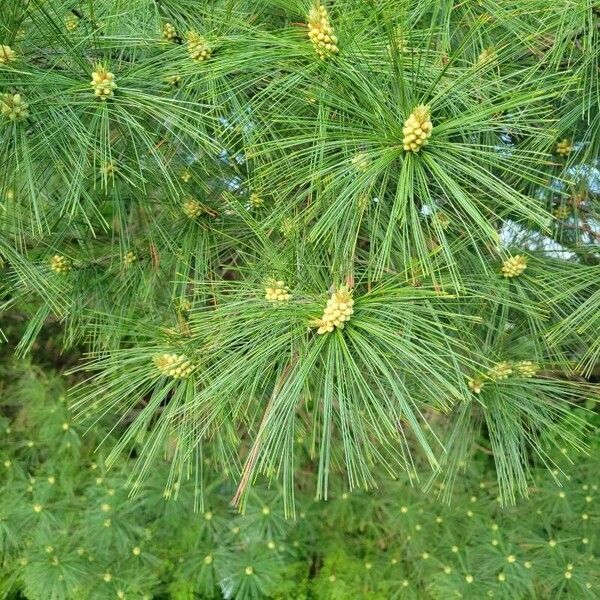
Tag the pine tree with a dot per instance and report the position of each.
(355, 239)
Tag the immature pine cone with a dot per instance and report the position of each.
(60, 264)
(277, 291)
(320, 32)
(417, 129)
(198, 49)
(103, 83)
(514, 266)
(173, 365)
(6, 54)
(13, 107)
(337, 312)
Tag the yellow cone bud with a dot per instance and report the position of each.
(60, 264)
(514, 266)
(500, 371)
(169, 32)
(288, 227)
(13, 107)
(108, 169)
(564, 147)
(6, 54)
(487, 55)
(71, 22)
(562, 212)
(360, 162)
(277, 291)
(526, 368)
(476, 385)
(173, 365)
(173, 80)
(197, 47)
(103, 83)
(129, 258)
(417, 129)
(256, 201)
(338, 311)
(192, 208)
(321, 33)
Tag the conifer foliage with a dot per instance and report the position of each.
(358, 239)
(69, 529)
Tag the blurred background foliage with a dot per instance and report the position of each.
(69, 527)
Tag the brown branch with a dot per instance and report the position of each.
(155, 255)
(253, 456)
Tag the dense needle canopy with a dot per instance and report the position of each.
(358, 238)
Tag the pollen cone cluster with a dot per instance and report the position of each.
(476, 385)
(256, 201)
(129, 258)
(103, 83)
(562, 212)
(173, 80)
(288, 227)
(564, 147)
(197, 47)
(277, 291)
(360, 162)
(526, 368)
(71, 22)
(500, 371)
(13, 107)
(192, 208)
(173, 365)
(487, 55)
(337, 312)
(320, 32)
(6, 54)
(60, 264)
(503, 370)
(169, 32)
(514, 266)
(417, 129)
